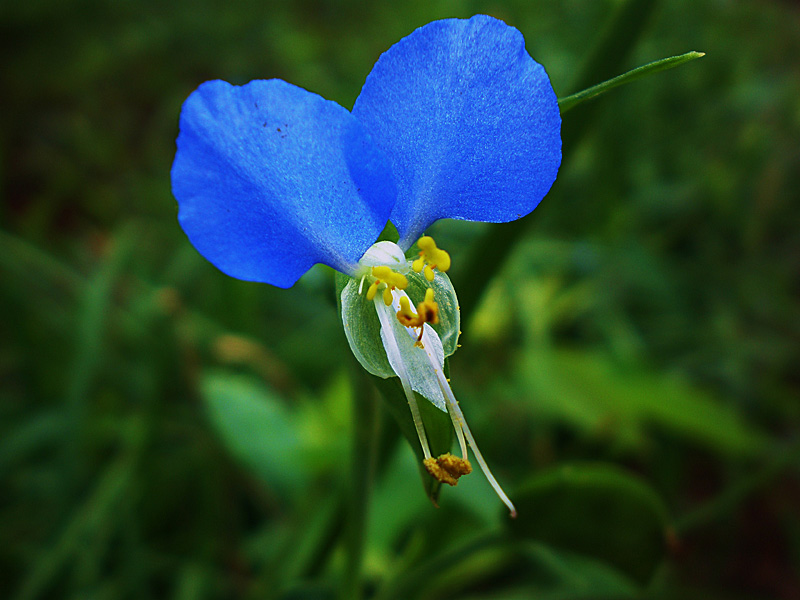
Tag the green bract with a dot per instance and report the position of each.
(363, 329)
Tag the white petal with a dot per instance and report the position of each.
(414, 361)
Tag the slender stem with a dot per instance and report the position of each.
(363, 460)
(458, 425)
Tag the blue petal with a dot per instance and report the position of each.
(468, 120)
(271, 179)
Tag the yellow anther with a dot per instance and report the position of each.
(447, 468)
(427, 312)
(405, 315)
(430, 258)
(391, 278)
(373, 289)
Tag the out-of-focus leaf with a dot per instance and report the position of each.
(256, 427)
(43, 430)
(558, 575)
(590, 391)
(309, 591)
(94, 518)
(597, 511)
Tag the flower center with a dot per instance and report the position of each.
(389, 279)
(420, 366)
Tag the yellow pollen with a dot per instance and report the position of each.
(447, 468)
(373, 289)
(390, 280)
(427, 311)
(430, 258)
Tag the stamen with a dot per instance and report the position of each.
(373, 289)
(447, 468)
(405, 315)
(430, 258)
(386, 325)
(463, 432)
(392, 278)
(458, 420)
(427, 311)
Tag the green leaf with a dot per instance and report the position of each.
(560, 575)
(256, 427)
(594, 393)
(568, 102)
(595, 510)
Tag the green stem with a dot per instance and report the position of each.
(363, 461)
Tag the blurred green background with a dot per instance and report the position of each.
(630, 369)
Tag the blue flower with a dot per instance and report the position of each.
(456, 120)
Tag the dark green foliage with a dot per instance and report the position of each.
(598, 511)
(168, 432)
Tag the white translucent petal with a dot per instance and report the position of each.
(383, 253)
(405, 357)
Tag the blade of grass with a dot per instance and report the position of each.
(94, 515)
(93, 315)
(363, 464)
(568, 102)
(490, 251)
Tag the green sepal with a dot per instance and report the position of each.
(363, 329)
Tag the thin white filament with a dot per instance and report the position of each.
(458, 417)
(394, 350)
(427, 332)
